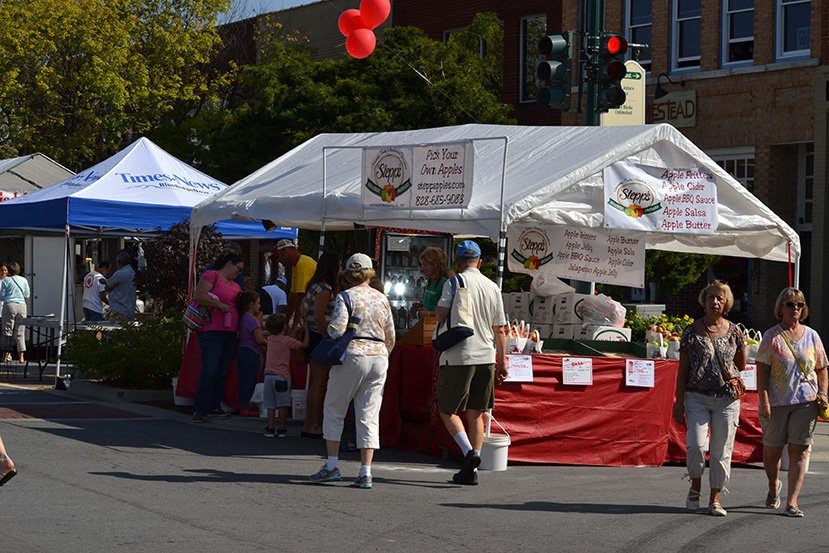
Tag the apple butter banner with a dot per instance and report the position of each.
(437, 176)
(646, 198)
(594, 255)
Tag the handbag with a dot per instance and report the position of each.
(332, 351)
(448, 334)
(195, 316)
(734, 386)
(823, 411)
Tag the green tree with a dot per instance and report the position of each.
(81, 78)
(410, 81)
(674, 271)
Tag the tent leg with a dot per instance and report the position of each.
(62, 306)
(797, 271)
(322, 239)
(502, 248)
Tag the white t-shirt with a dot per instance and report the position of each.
(93, 284)
(478, 349)
(277, 295)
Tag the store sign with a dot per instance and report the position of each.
(654, 199)
(437, 176)
(677, 108)
(595, 255)
(632, 112)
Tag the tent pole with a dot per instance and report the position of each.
(502, 248)
(62, 305)
(797, 271)
(324, 198)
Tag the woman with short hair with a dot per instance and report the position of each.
(362, 375)
(14, 294)
(792, 384)
(711, 354)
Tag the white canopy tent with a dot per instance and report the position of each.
(553, 175)
(24, 174)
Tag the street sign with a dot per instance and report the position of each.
(632, 112)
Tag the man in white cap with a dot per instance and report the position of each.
(302, 269)
(469, 368)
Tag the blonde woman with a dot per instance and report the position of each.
(791, 383)
(710, 349)
(362, 375)
(433, 266)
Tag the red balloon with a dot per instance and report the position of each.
(349, 21)
(360, 43)
(374, 12)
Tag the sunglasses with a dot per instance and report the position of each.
(799, 304)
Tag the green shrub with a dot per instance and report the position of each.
(639, 324)
(143, 355)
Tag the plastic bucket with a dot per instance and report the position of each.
(180, 400)
(263, 412)
(298, 402)
(495, 451)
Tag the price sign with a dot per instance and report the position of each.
(520, 368)
(639, 372)
(749, 376)
(577, 371)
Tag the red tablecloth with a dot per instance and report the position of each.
(607, 423)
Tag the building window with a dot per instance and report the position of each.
(738, 31)
(805, 186)
(533, 28)
(639, 22)
(737, 163)
(794, 28)
(686, 15)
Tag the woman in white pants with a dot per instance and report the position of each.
(362, 375)
(702, 398)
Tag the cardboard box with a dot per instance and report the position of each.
(601, 333)
(517, 306)
(564, 331)
(542, 310)
(546, 330)
(567, 308)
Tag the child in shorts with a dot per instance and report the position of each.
(277, 387)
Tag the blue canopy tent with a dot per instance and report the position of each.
(141, 190)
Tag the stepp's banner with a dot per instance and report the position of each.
(593, 255)
(437, 176)
(654, 199)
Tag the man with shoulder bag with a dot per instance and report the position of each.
(470, 366)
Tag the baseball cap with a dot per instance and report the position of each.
(283, 243)
(358, 261)
(467, 250)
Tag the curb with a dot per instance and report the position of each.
(91, 390)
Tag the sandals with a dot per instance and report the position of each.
(9, 474)
(794, 511)
(773, 501)
(692, 501)
(716, 510)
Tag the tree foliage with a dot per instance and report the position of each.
(288, 97)
(81, 78)
(167, 255)
(674, 271)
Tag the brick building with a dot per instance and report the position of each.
(756, 99)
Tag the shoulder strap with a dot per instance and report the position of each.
(796, 358)
(18, 286)
(347, 302)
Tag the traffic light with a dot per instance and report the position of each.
(610, 70)
(555, 70)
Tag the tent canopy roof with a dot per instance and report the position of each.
(26, 174)
(553, 175)
(141, 188)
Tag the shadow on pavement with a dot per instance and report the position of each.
(589, 508)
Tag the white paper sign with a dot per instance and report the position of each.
(594, 255)
(749, 376)
(520, 368)
(437, 176)
(646, 198)
(639, 372)
(577, 371)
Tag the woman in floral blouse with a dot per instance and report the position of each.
(791, 383)
(362, 375)
(702, 398)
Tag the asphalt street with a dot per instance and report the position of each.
(126, 477)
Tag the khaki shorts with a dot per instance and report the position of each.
(462, 387)
(790, 424)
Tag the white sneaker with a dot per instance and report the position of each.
(692, 501)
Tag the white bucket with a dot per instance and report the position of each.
(298, 402)
(263, 411)
(495, 450)
(179, 400)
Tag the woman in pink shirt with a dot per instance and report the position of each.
(217, 290)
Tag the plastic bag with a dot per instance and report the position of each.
(258, 394)
(602, 310)
(752, 340)
(517, 335)
(534, 343)
(548, 285)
